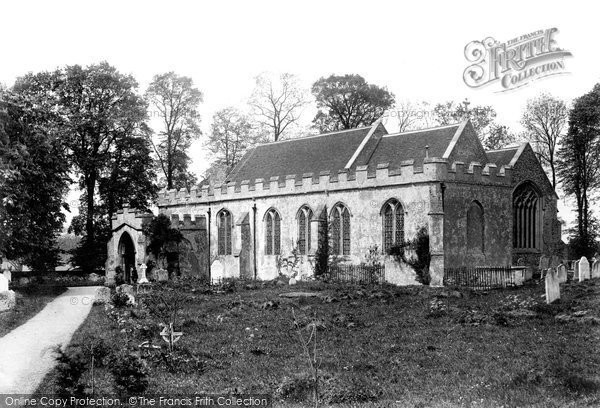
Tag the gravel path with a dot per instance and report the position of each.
(26, 352)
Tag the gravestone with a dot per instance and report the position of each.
(8, 299)
(562, 273)
(142, 278)
(552, 286)
(292, 281)
(554, 261)
(3, 284)
(584, 269)
(217, 271)
(596, 269)
(576, 271)
(543, 262)
(8, 275)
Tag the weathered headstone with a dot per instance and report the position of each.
(543, 262)
(552, 286)
(584, 269)
(292, 281)
(596, 269)
(162, 275)
(102, 295)
(8, 275)
(3, 284)
(142, 277)
(562, 273)
(554, 261)
(8, 300)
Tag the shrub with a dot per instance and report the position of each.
(130, 373)
(296, 389)
(71, 364)
(322, 253)
(119, 299)
(422, 257)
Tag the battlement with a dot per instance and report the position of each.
(187, 223)
(433, 170)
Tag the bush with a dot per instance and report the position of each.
(296, 389)
(420, 262)
(119, 300)
(71, 364)
(130, 373)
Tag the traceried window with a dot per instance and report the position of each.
(475, 227)
(393, 224)
(272, 233)
(526, 217)
(304, 217)
(340, 230)
(224, 232)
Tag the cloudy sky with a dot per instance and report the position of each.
(416, 49)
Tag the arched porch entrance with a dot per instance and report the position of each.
(127, 257)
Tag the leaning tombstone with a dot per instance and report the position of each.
(562, 273)
(8, 299)
(552, 286)
(584, 269)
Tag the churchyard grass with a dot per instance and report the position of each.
(379, 346)
(30, 301)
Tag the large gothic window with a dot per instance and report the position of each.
(224, 232)
(272, 233)
(475, 227)
(526, 217)
(393, 224)
(304, 217)
(340, 230)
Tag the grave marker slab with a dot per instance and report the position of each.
(596, 269)
(584, 269)
(562, 273)
(552, 286)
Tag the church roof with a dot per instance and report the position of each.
(502, 157)
(343, 150)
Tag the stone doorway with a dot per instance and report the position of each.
(127, 257)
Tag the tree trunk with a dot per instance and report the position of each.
(90, 185)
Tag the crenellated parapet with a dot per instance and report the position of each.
(432, 170)
(129, 216)
(198, 223)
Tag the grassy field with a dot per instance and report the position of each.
(377, 346)
(30, 301)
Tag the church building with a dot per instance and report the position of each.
(372, 188)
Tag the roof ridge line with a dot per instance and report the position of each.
(422, 130)
(313, 136)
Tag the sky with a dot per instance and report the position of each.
(415, 49)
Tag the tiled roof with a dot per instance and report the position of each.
(502, 157)
(394, 149)
(333, 151)
(313, 154)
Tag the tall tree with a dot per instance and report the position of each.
(411, 115)
(176, 102)
(231, 135)
(277, 102)
(33, 182)
(348, 101)
(482, 117)
(579, 165)
(96, 107)
(545, 120)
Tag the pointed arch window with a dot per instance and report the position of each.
(224, 226)
(392, 213)
(272, 232)
(304, 217)
(475, 227)
(526, 217)
(340, 230)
